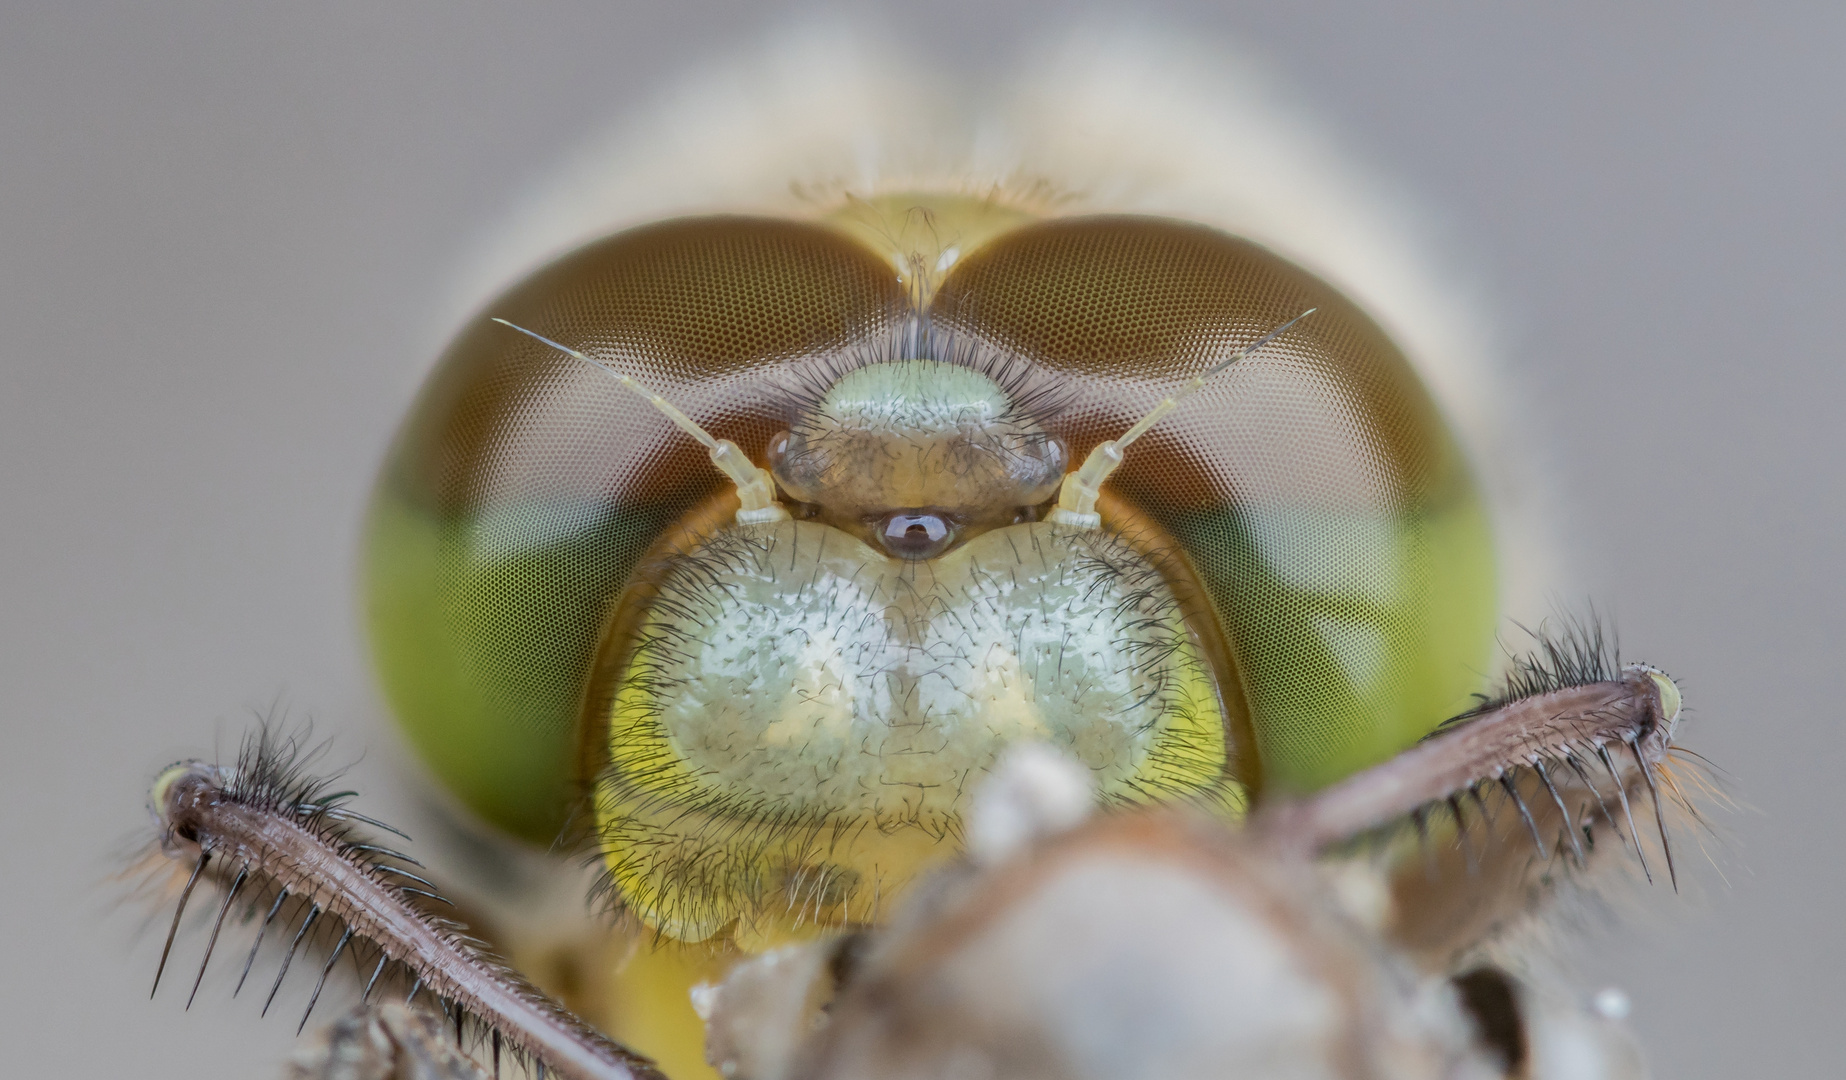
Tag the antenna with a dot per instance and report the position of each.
(756, 488)
(1077, 496)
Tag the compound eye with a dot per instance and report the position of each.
(915, 534)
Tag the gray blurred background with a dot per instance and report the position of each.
(225, 230)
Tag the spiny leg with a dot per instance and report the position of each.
(1492, 880)
(274, 825)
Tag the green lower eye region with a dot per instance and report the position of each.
(799, 721)
(483, 628)
(1356, 627)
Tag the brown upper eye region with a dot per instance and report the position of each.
(916, 533)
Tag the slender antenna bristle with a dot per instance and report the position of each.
(680, 419)
(1078, 494)
(756, 489)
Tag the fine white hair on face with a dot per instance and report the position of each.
(913, 395)
(1033, 792)
(1110, 119)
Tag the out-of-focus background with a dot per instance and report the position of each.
(227, 233)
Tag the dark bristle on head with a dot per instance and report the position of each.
(270, 833)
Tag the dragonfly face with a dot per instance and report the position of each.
(1291, 577)
(879, 491)
(1301, 503)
